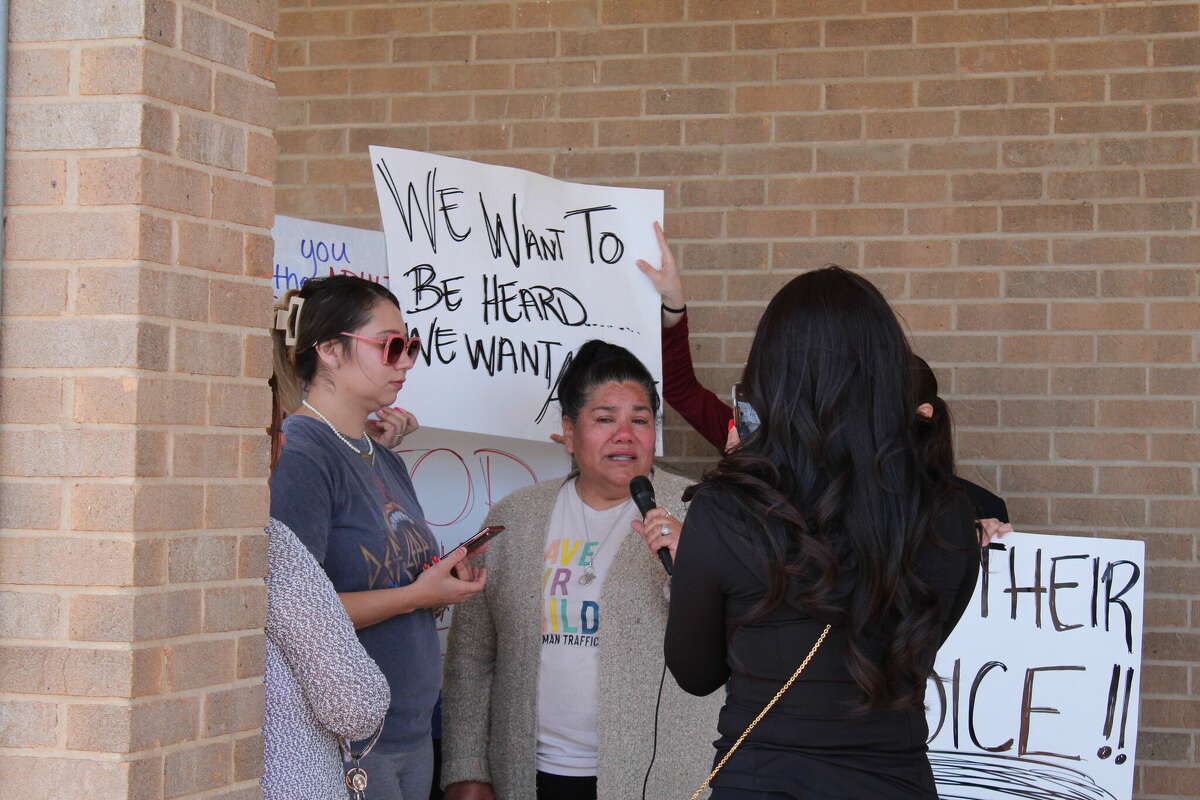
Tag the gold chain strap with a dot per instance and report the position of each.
(816, 646)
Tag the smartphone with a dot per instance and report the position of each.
(745, 418)
(479, 539)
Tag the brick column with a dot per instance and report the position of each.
(133, 398)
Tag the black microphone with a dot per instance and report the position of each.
(643, 497)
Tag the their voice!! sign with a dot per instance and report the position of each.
(504, 273)
(1036, 693)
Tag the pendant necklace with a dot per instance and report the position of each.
(589, 570)
(368, 456)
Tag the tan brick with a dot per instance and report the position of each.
(819, 127)
(1049, 349)
(139, 400)
(777, 34)
(878, 31)
(35, 292)
(718, 9)
(1175, 316)
(1099, 119)
(28, 724)
(235, 506)
(1004, 121)
(734, 130)
(814, 254)
(689, 39)
(1006, 315)
(313, 23)
(1098, 316)
(957, 155)
(134, 618)
(134, 290)
(923, 316)
(1059, 89)
(233, 710)
(856, 157)
(74, 235)
(872, 95)
(197, 769)
(214, 39)
(38, 72)
(768, 160)
(1054, 24)
(1176, 249)
(1157, 19)
(906, 253)
(1055, 478)
(723, 192)
(479, 16)
(1145, 216)
(238, 304)
(1146, 480)
(679, 162)
(244, 100)
(1099, 250)
(1098, 380)
(911, 61)
(248, 758)
(1002, 252)
(1047, 217)
(209, 247)
(1102, 446)
(40, 181)
(955, 284)
(41, 776)
(1026, 57)
(998, 380)
(83, 452)
(1147, 283)
(1003, 445)
(1156, 413)
(128, 728)
(389, 20)
(739, 68)
(1174, 514)
(725, 255)
(1175, 381)
(203, 558)
(198, 664)
(962, 92)
(28, 615)
(910, 124)
(1055, 283)
(126, 507)
(996, 186)
(80, 671)
(234, 608)
(641, 71)
(207, 141)
(25, 505)
(252, 554)
(1175, 446)
(1145, 348)
(810, 191)
(1038, 153)
(1098, 511)
(958, 349)
(1173, 183)
(962, 219)
(251, 654)
(859, 222)
(810, 64)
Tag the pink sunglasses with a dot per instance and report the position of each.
(394, 347)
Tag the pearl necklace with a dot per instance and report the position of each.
(369, 455)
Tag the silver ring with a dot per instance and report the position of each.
(665, 531)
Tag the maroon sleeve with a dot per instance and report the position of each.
(702, 409)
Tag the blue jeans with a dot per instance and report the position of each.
(399, 774)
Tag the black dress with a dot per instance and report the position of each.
(987, 504)
(812, 744)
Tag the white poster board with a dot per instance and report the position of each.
(306, 249)
(1039, 682)
(505, 273)
(460, 476)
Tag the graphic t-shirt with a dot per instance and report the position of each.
(581, 544)
(363, 524)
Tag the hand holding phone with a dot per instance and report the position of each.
(745, 418)
(479, 539)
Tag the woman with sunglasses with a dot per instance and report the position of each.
(343, 352)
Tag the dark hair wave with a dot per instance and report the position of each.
(594, 364)
(832, 481)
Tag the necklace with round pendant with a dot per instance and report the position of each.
(589, 570)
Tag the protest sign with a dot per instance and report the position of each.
(1037, 688)
(504, 273)
(458, 477)
(306, 249)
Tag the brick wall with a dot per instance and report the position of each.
(1019, 176)
(132, 398)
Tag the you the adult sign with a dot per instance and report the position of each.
(1038, 685)
(504, 273)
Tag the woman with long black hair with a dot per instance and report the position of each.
(825, 515)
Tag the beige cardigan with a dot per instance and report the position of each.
(489, 707)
